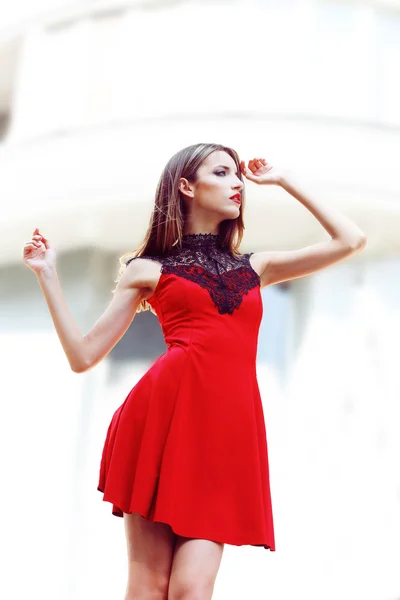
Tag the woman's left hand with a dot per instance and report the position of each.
(261, 172)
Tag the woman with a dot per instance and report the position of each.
(185, 457)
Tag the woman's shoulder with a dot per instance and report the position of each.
(170, 258)
(144, 259)
(141, 272)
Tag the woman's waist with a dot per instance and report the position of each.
(216, 345)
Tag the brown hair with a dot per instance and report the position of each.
(167, 220)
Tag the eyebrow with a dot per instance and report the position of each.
(224, 167)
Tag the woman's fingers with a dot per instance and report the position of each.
(39, 237)
(32, 246)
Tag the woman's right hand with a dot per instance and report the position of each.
(38, 254)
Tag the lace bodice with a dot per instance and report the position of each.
(203, 260)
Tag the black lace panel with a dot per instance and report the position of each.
(202, 259)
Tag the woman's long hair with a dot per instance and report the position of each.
(167, 220)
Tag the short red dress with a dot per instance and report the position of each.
(188, 445)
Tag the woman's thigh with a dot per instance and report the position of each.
(194, 568)
(150, 548)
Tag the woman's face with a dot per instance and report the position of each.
(217, 181)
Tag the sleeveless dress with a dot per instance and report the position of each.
(188, 445)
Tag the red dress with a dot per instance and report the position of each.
(188, 445)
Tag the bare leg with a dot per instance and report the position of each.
(150, 549)
(194, 570)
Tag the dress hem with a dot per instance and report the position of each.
(117, 514)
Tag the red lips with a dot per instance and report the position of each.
(237, 198)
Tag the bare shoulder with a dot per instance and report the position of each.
(143, 274)
(256, 263)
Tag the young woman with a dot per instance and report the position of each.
(185, 456)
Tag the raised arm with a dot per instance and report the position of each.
(84, 351)
(282, 265)
(115, 320)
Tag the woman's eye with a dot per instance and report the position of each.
(219, 172)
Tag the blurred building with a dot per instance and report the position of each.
(94, 99)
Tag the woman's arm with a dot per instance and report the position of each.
(335, 222)
(85, 351)
(347, 239)
(281, 265)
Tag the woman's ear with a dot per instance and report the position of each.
(185, 187)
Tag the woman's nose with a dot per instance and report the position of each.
(239, 184)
